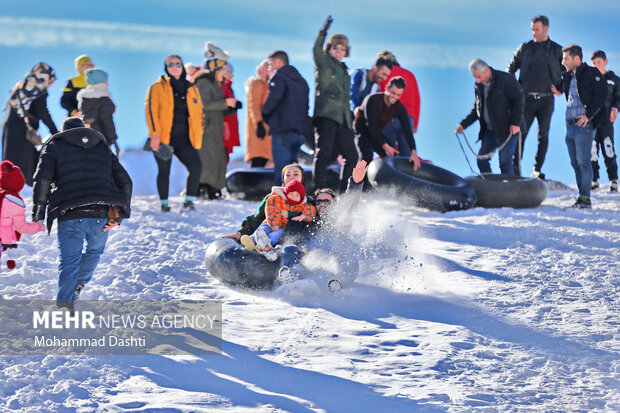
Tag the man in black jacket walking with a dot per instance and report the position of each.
(540, 65)
(604, 136)
(498, 105)
(92, 194)
(286, 113)
(586, 92)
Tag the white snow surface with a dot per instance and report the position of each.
(478, 310)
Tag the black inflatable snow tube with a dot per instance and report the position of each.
(498, 191)
(255, 183)
(231, 263)
(430, 186)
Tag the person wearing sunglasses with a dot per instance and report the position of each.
(174, 117)
(332, 119)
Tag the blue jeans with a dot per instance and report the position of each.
(291, 254)
(284, 148)
(395, 136)
(274, 236)
(579, 143)
(77, 263)
(506, 154)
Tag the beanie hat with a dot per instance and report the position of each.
(95, 76)
(82, 60)
(338, 39)
(295, 186)
(11, 177)
(212, 65)
(214, 52)
(71, 123)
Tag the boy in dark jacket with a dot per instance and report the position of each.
(96, 107)
(604, 136)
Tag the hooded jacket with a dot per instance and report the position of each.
(97, 110)
(592, 90)
(286, 107)
(86, 175)
(277, 205)
(505, 102)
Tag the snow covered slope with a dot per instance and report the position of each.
(497, 310)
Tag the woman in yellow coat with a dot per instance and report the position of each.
(174, 116)
(257, 149)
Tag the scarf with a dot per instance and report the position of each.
(33, 86)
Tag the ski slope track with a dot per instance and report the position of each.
(478, 310)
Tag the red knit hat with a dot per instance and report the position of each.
(295, 186)
(11, 177)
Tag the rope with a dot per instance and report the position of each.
(490, 154)
(465, 154)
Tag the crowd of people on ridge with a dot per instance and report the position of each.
(191, 114)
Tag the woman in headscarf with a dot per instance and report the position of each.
(27, 104)
(174, 117)
(215, 107)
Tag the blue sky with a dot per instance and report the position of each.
(436, 40)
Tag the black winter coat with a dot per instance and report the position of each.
(286, 108)
(84, 172)
(592, 90)
(98, 113)
(522, 59)
(505, 102)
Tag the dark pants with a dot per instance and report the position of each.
(604, 139)
(188, 157)
(331, 138)
(258, 162)
(506, 154)
(541, 109)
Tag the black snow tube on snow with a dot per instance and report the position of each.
(255, 183)
(430, 186)
(498, 191)
(231, 263)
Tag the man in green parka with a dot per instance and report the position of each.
(332, 114)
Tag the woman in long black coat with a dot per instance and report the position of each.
(27, 98)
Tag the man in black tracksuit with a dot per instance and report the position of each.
(604, 137)
(540, 65)
(498, 105)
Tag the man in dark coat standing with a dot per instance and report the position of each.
(498, 105)
(92, 194)
(585, 89)
(286, 113)
(539, 62)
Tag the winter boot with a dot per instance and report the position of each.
(270, 254)
(78, 290)
(188, 206)
(595, 185)
(286, 276)
(613, 186)
(583, 202)
(165, 208)
(262, 239)
(248, 242)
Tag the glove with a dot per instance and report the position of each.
(260, 130)
(38, 212)
(326, 24)
(239, 105)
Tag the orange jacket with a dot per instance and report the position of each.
(160, 111)
(277, 204)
